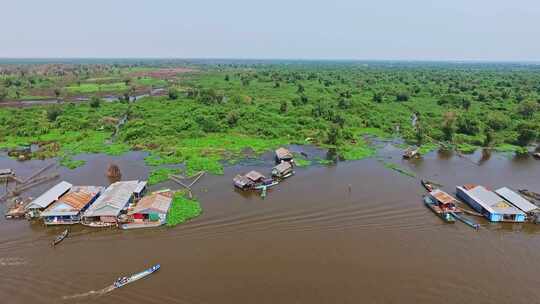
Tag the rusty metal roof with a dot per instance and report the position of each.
(155, 202)
(73, 201)
(442, 197)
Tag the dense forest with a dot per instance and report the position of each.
(211, 112)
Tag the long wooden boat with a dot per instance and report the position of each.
(530, 194)
(444, 215)
(98, 224)
(59, 238)
(466, 221)
(429, 187)
(123, 281)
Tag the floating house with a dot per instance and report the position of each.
(242, 182)
(488, 203)
(105, 211)
(150, 211)
(283, 154)
(255, 176)
(517, 200)
(34, 208)
(282, 170)
(444, 200)
(68, 208)
(249, 180)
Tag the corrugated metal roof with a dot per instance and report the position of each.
(113, 199)
(442, 196)
(241, 180)
(156, 202)
(283, 167)
(491, 201)
(50, 196)
(283, 153)
(516, 199)
(140, 187)
(254, 176)
(73, 201)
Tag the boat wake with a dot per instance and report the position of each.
(90, 293)
(12, 262)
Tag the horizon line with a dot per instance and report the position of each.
(537, 61)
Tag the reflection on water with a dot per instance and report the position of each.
(352, 232)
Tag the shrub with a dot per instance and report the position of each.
(95, 102)
(53, 113)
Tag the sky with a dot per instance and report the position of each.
(486, 30)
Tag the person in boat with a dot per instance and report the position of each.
(120, 281)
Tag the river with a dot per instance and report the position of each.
(311, 240)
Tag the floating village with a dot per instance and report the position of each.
(129, 205)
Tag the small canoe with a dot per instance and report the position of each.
(427, 185)
(59, 238)
(123, 281)
(261, 187)
(410, 154)
(444, 215)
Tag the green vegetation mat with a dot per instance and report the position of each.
(182, 209)
(222, 114)
(160, 175)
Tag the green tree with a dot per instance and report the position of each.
(283, 107)
(378, 97)
(402, 96)
(227, 78)
(3, 94)
(344, 103)
(488, 140)
(57, 93)
(465, 103)
(468, 124)
(53, 113)
(333, 135)
(173, 94)
(527, 108)
(449, 125)
(420, 134)
(527, 133)
(497, 121)
(95, 102)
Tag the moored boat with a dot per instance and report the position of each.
(123, 281)
(427, 185)
(438, 210)
(530, 194)
(59, 238)
(266, 186)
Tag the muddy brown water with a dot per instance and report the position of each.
(310, 241)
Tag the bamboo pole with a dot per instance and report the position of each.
(37, 173)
